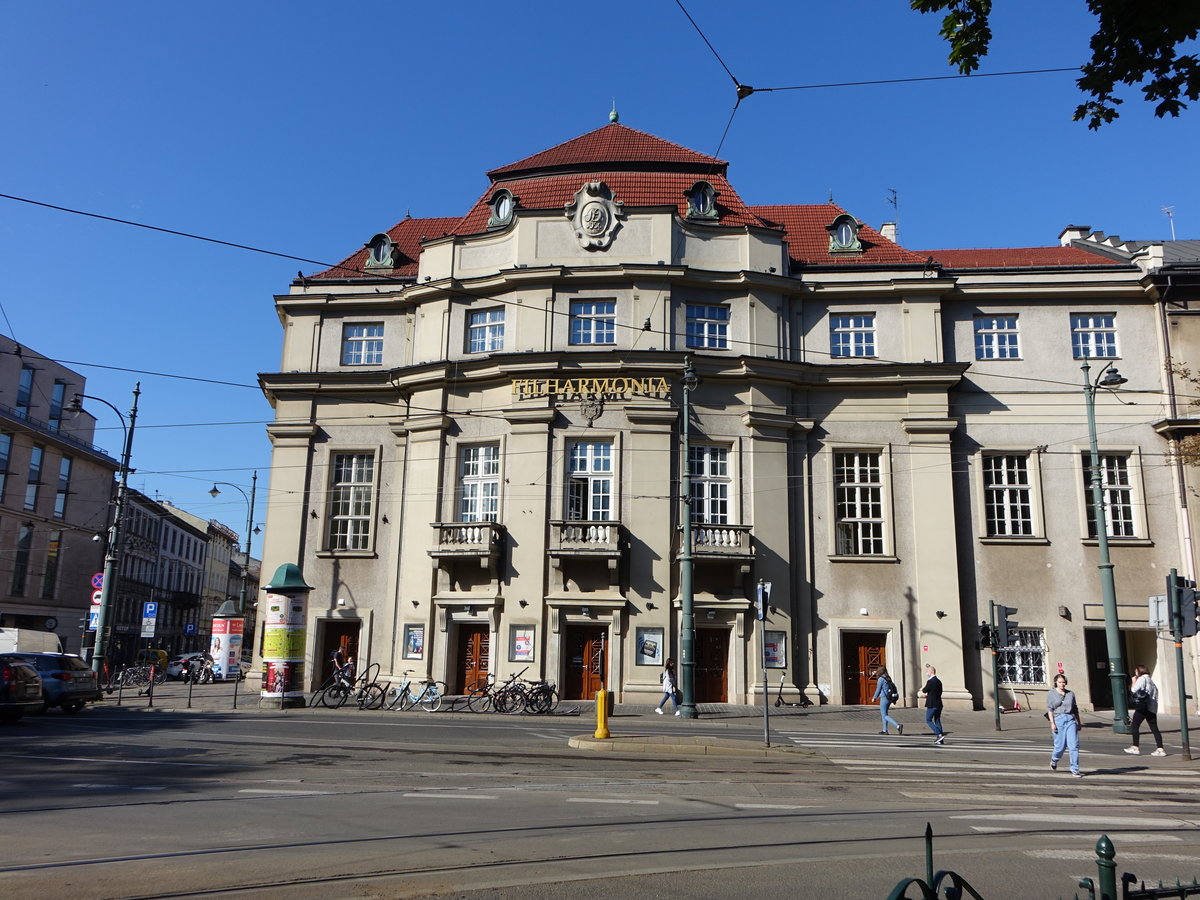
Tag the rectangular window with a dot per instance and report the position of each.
(479, 483)
(24, 392)
(996, 337)
(590, 481)
(20, 570)
(362, 344)
(1007, 496)
(485, 331)
(1116, 493)
(1025, 661)
(351, 491)
(708, 327)
(709, 471)
(64, 488)
(1094, 336)
(852, 335)
(5, 453)
(858, 501)
(50, 579)
(593, 322)
(56, 405)
(35, 477)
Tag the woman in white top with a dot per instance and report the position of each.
(1145, 709)
(669, 688)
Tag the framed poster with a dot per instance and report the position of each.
(520, 643)
(414, 641)
(775, 649)
(649, 646)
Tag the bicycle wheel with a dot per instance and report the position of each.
(540, 700)
(479, 701)
(431, 698)
(335, 696)
(370, 697)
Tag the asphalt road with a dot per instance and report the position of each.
(312, 803)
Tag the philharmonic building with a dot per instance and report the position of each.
(485, 423)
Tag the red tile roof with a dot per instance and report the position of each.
(808, 241)
(407, 236)
(1017, 258)
(613, 143)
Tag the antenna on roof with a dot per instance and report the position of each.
(894, 199)
(1169, 212)
(613, 116)
(831, 195)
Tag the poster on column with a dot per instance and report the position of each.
(284, 638)
(226, 648)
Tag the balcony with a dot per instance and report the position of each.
(576, 541)
(722, 543)
(467, 540)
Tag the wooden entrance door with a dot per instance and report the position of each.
(862, 654)
(587, 661)
(712, 665)
(474, 647)
(338, 635)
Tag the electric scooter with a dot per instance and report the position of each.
(779, 701)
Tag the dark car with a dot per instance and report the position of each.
(20, 688)
(67, 682)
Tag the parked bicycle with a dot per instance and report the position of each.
(342, 687)
(425, 693)
(484, 696)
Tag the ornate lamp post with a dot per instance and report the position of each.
(1108, 378)
(215, 492)
(112, 552)
(687, 644)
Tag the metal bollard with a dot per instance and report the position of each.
(1106, 863)
(150, 690)
(237, 679)
(602, 714)
(191, 684)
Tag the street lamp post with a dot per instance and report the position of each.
(687, 644)
(215, 492)
(108, 589)
(1108, 378)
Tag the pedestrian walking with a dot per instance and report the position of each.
(669, 689)
(933, 704)
(1145, 709)
(887, 694)
(1063, 713)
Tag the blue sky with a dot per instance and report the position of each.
(307, 127)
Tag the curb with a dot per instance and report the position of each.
(677, 744)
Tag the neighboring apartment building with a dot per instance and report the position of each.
(55, 493)
(479, 424)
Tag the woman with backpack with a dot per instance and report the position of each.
(668, 686)
(887, 694)
(1145, 709)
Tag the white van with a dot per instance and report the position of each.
(26, 640)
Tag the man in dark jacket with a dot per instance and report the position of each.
(933, 703)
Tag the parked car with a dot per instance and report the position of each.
(175, 666)
(20, 688)
(67, 682)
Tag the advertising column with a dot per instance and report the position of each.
(284, 639)
(226, 646)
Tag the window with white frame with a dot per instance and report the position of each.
(485, 331)
(64, 487)
(1116, 493)
(1023, 662)
(590, 481)
(708, 468)
(858, 503)
(707, 326)
(35, 477)
(362, 344)
(1094, 335)
(1007, 495)
(852, 335)
(996, 337)
(351, 495)
(593, 322)
(479, 483)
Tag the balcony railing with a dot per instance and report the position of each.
(585, 538)
(51, 430)
(721, 540)
(467, 538)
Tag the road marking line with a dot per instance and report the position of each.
(1098, 821)
(772, 806)
(279, 791)
(446, 795)
(1005, 798)
(607, 800)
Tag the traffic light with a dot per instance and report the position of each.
(985, 635)
(1187, 611)
(1006, 631)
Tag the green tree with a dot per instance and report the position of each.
(1135, 41)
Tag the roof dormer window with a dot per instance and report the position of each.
(503, 204)
(843, 235)
(381, 252)
(701, 201)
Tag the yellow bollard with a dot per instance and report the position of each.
(602, 714)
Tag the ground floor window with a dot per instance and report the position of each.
(1024, 662)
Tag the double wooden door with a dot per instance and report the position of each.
(712, 665)
(474, 648)
(586, 663)
(862, 654)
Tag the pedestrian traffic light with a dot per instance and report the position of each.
(1187, 611)
(985, 635)
(1006, 631)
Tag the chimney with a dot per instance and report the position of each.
(888, 230)
(1073, 233)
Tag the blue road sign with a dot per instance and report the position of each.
(150, 610)
(93, 620)
(189, 627)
